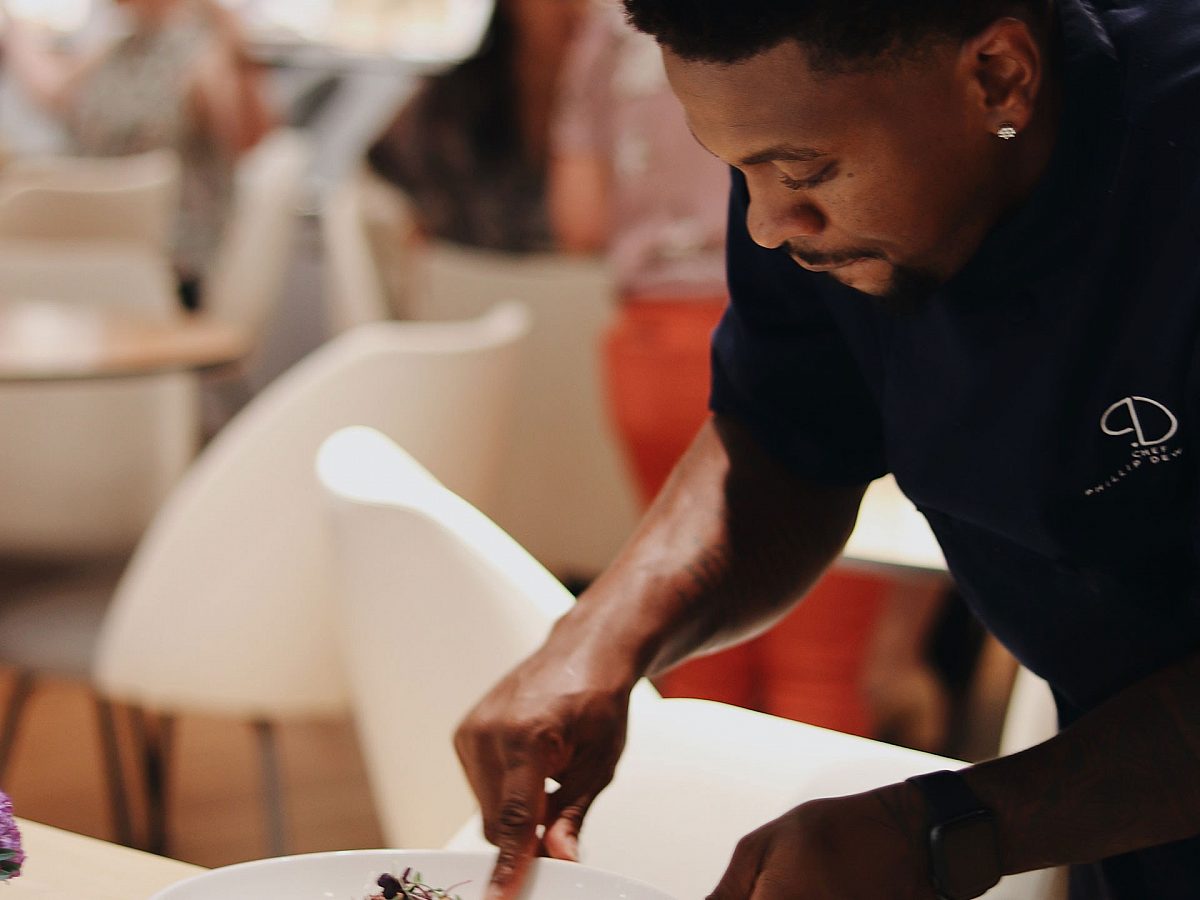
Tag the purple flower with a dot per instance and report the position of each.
(11, 854)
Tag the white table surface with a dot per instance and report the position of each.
(891, 532)
(42, 341)
(60, 865)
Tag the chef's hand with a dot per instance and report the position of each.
(863, 847)
(551, 717)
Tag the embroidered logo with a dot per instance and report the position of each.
(1160, 423)
(1151, 426)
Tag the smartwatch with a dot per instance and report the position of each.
(964, 849)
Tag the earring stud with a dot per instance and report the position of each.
(1006, 132)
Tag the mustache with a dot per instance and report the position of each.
(834, 258)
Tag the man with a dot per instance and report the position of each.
(963, 247)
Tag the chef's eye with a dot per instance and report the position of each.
(801, 184)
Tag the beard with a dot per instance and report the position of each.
(905, 293)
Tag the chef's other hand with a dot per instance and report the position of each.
(862, 847)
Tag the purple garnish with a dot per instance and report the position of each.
(11, 854)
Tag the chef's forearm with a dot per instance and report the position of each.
(728, 546)
(1124, 777)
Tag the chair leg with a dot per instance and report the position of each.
(118, 797)
(18, 698)
(268, 750)
(155, 732)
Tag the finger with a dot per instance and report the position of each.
(483, 771)
(511, 824)
(769, 887)
(738, 882)
(567, 807)
(564, 818)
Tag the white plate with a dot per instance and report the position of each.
(351, 874)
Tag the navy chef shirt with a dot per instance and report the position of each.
(1041, 408)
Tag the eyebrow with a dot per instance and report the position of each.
(776, 153)
(782, 153)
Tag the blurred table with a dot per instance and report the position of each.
(891, 532)
(60, 865)
(41, 341)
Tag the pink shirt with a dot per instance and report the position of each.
(669, 196)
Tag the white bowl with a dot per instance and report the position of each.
(351, 874)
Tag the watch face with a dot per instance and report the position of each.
(965, 864)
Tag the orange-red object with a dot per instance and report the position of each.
(656, 359)
(808, 666)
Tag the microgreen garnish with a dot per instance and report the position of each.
(411, 886)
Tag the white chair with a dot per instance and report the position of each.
(354, 288)
(1032, 717)
(226, 607)
(112, 448)
(568, 498)
(86, 464)
(393, 234)
(113, 274)
(128, 198)
(461, 601)
(695, 776)
(245, 280)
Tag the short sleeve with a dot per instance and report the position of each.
(782, 367)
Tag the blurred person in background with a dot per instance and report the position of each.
(469, 150)
(628, 180)
(179, 76)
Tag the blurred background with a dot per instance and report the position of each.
(334, 69)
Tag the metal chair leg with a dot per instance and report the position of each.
(118, 796)
(269, 764)
(155, 732)
(18, 698)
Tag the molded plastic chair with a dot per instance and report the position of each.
(1032, 717)
(226, 607)
(354, 288)
(393, 236)
(568, 498)
(111, 274)
(86, 464)
(460, 602)
(246, 278)
(469, 602)
(127, 198)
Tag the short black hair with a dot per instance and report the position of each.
(838, 34)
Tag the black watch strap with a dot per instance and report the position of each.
(961, 834)
(946, 795)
